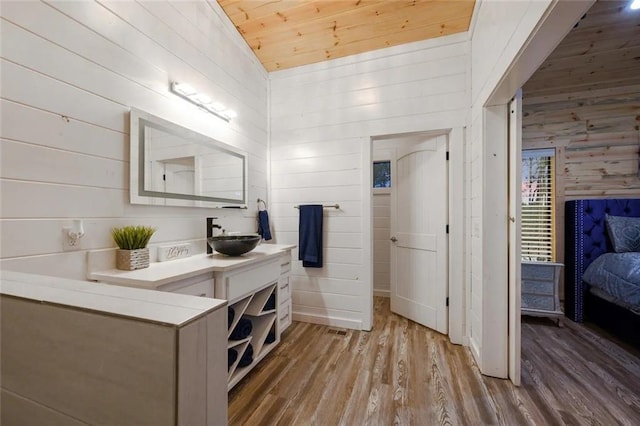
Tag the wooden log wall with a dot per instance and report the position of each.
(584, 101)
(596, 137)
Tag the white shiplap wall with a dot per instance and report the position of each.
(322, 117)
(70, 73)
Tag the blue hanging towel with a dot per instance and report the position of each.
(263, 225)
(310, 236)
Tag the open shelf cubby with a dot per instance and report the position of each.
(248, 291)
(256, 306)
(267, 346)
(234, 343)
(240, 348)
(239, 309)
(261, 327)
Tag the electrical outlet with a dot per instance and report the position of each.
(68, 243)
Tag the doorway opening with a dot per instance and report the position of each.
(574, 104)
(411, 238)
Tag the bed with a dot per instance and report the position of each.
(586, 240)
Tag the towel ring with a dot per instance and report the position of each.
(260, 200)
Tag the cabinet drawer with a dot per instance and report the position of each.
(284, 290)
(285, 265)
(201, 286)
(284, 316)
(540, 271)
(534, 301)
(283, 281)
(283, 311)
(245, 282)
(538, 287)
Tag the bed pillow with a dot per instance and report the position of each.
(624, 233)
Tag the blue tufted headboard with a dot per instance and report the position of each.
(586, 239)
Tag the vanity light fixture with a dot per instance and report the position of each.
(202, 100)
(635, 4)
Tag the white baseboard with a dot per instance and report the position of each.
(329, 321)
(382, 293)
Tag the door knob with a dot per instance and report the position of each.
(394, 239)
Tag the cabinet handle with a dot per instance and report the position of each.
(203, 295)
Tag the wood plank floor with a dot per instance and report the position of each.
(401, 373)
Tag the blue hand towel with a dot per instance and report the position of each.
(310, 236)
(242, 330)
(263, 225)
(232, 355)
(247, 357)
(231, 314)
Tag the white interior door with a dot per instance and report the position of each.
(515, 200)
(419, 249)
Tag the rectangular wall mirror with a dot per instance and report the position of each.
(174, 166)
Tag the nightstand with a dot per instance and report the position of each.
(540, 290)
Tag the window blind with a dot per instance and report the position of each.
(538, 205)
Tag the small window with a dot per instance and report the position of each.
(382, 174)
(538, 205)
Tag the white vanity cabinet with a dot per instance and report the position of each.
(255, 285)
(248, 291)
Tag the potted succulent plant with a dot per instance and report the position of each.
(132, 250)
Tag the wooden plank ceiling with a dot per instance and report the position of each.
(288, 33)
(602, 51)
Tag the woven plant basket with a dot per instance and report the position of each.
(129, 260)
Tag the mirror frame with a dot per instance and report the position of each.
(139, 121)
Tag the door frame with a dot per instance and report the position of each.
(515, 241)
(558, 20)
(457, 263)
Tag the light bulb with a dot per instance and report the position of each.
(183, 89)
(201, 98)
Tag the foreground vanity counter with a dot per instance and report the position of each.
(76, 352)
(256, 286)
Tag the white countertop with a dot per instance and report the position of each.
(153, 306)
(161, 273)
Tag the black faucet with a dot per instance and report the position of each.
(210, 226)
